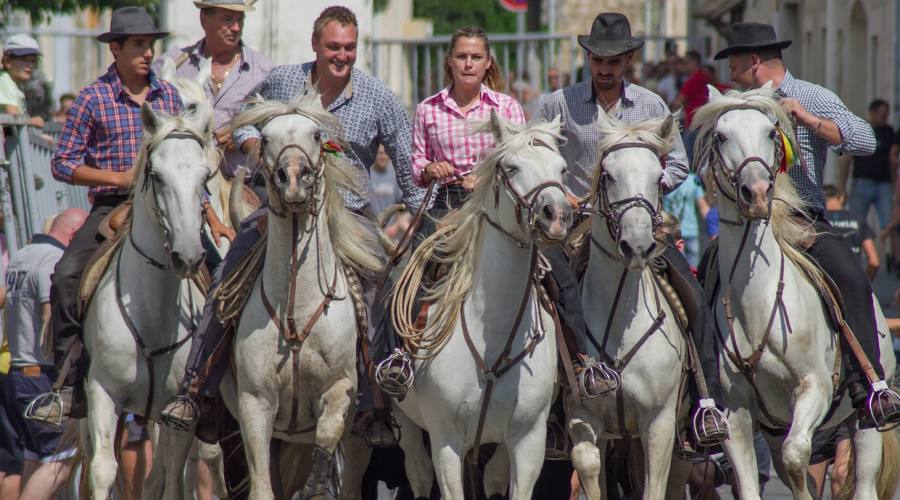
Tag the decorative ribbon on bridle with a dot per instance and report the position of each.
(613, 211)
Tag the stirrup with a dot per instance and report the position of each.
(48, 409)
(382, 431)
(180, 413)
(597, 379)
(709, 424)
(323, 478)
(395, 374)
(557, 442)
(883, 406)
(686, 452)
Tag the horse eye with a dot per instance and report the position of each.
(192, 107)
(318, 135)
(773, 134)
(719, 137)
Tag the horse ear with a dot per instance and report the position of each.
(167, 68)
(667, 126)
(556, 124)
(713, 93)
(498, 126)
(205, 72)
(768, 85)
(150, 119)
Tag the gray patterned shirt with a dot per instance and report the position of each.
(856, 134)
(578, 109)
(371, 115)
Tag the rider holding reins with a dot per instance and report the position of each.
(822, 121)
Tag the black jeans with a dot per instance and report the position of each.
(446, 198)
(833, 254)
(67, 278)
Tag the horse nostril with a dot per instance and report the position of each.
(650, 250)
(281, 173)
(176, 257)
(746, 194)
(547, 212)
(625, 249)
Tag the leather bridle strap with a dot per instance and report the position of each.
(406, 240)
(613, 212)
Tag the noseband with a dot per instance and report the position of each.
(313, 206)
(149, 183)
(732, 177)
(523, 204)
(613, 211)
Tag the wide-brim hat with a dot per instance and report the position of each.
(748, 37)
(610, 36)
(131, 21)
(238, 5)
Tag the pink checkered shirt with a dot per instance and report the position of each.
(440, 130)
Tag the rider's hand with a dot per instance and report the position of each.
(796, 110)
(249, 144)
(224, 138)
(216, 227)
(437, 170)
(36, 121)
(123, 180)
(469, 182)
(573, 200)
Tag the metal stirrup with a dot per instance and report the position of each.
(703, 435)
(597, 373)
(881, 397)
(395, 374)
(187, 410)
(55, 406)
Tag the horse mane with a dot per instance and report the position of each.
(793, 233)
(455, 244)
(613, 131)
(352, 243)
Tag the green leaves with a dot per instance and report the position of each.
(448, 16)
(39, 10)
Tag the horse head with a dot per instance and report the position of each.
(528, 170)
(626, 185)
(743, 139)
(173, 168)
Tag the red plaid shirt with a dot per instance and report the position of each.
(103, 129)
(441, 130)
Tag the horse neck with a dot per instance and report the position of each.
(758, 268)
(501, 277)
(314, 253)
(601, 280)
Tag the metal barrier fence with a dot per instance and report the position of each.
(414, 68)
(29, 194)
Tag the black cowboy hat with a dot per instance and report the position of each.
(747, 37)
(610, 36)
(129, 21)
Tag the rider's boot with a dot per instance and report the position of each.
(322, 480)
(595, 378)
(879, 407)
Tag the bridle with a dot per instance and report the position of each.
(732, 177)
(522, 203)
(314, 204)
(149, 183)
(613, 211)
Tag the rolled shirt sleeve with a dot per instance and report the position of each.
(247, 132)
(857, 136)
(421, 148)
(72, 145)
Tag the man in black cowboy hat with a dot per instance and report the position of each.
(98, 146)
(610, 48)
(821, 121)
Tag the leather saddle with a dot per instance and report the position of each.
(113, 228)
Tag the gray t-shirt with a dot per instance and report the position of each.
(27, 287)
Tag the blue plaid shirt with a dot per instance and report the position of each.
(103, 129)
(857, 137)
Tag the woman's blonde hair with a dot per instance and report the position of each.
(493, 76)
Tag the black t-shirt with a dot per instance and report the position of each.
(853, 230)
(877, 166)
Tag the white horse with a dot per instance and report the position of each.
(145, 309)
(626, 312)
(488, 353)
(300, 389)
(740, 140)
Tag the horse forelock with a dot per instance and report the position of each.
(169, 125)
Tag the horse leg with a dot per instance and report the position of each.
(810, 407)
(256, 418)
(679, 472)
(356, 458)
(496, 473)
(526, 459)
(660, 435)
(419, 469)
(587, 457)
(168, 464)
(329, 430)
(867, 446)
(102, 420)
(739, 448)
(211, 455)
(447, 458)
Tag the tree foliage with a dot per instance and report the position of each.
(41, 9)
(447, 16)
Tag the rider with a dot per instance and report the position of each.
(369, 113)
(97, 148)
(236, 70)
(821, 121)
(610, 49)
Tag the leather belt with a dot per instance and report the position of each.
(31, 371)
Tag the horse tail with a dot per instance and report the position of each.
(888, 475)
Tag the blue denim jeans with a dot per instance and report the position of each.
(868, 193)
